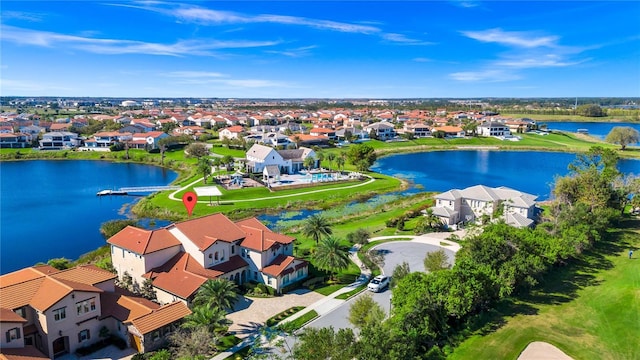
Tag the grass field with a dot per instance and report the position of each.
(589, 309)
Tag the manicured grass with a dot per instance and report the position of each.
(222, 150)
(283, 315)
(299, 322)
(589, 309)
(349, 294)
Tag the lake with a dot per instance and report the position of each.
(49, 208)
(596, 129)
(529, 171)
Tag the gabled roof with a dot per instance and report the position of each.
(259, 237)
(260, 151)
(86, 274)
(160, 317)
(449, 195)
(142, 241)
(123, 307)
(443, 211)
(182, 275)
(7, 315)
(205, 231)
(52, 290)
(278, 265)
(272, 170)
(517, 220)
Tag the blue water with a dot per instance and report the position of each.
(49, 209)
(528, 171)
(596, 129)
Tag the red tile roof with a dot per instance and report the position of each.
(142, 241)
(181, 275)
(163, 316)
(205, 231)
(7, 315)
(25, 353)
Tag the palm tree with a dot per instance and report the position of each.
(340, 162)
(212, 318)
(204, 167)
(228, 160)
(330, 158)
(316, 226)
(331, 255)
(218, 293)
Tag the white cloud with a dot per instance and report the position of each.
(294, 53)
(22, 16)
(403, 39)
(465, 3)
(512, 38)
(195, 78)
(116, 46)
(550, 60)
(487, 75)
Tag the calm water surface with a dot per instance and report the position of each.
(49, 209)
(596, 129)
(528, 171)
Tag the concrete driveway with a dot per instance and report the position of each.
(251, 313)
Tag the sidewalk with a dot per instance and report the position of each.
(322, 306)
(330, 302)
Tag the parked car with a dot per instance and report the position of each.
(378, 283)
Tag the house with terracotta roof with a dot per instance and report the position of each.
(232, 132)
(181, 257)
(45, 312)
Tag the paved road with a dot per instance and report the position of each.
(395, 252)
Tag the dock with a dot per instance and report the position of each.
(140, 189)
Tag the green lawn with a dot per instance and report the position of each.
(590, 309)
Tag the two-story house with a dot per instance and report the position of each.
(492, 128)
(383, 130)
(181, 257)
(288, 161)
(516, 208)
(59, 140)
(48, 312)
(101, 141)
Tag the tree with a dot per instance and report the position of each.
(163, 145)
(623, 136)
(331, 255)
(362, 156)
(204, 168)
(60, 263)
(228, 161)
(217, 293)
(147, 290)
(326, 343)
(196, 150)
(193, 344)
(330, 158)
(436, 261)
(316, 226)
(399, 273)
(360, 236)
(428, 223)
(214, 319)
(365, 311)
(340, 163)
(590, 110)
(309, 162)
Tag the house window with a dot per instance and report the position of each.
(300, 273)
(233, 249)
(155, 335)
(86, 306)
(13, 334)
(21, 312)
(255, 275)
(60, 314)
(216, 257)
(83, 335)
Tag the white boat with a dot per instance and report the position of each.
(111, 192)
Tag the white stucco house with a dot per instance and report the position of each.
(288, 161)
(383, 130)
(181, 257)
(492, 128)
(471, 204)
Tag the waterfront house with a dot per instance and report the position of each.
(59, 140)
(474, 203)
(382, 130)
(449, 131)
(181, 257)
(492, 128)
(45, 312)
(14, 140)
(288, 161)
(101, 141)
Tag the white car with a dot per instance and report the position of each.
(378, 283)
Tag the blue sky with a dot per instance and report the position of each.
(320, 49)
